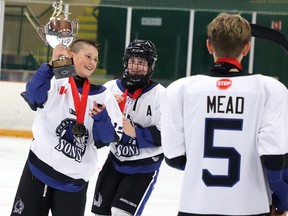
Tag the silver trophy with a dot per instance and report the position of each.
(60, 30)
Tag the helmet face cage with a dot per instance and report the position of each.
(143, 49)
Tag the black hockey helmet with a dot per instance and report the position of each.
(143, 49)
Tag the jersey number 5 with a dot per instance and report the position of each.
(230, 153)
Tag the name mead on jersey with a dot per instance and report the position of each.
(225, 104)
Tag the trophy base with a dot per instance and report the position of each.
(63, 68)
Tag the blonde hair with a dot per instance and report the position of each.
(229, 33)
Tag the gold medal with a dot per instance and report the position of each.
(79, 130)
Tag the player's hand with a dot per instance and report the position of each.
(97, 108)
(128, 128)
(275, 212)
(119, 98)
(58, 52)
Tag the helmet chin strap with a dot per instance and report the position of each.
(134, 82)
(133, 86)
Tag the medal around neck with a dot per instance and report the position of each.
(60, 30)
(79, 130)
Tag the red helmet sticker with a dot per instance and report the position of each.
(224, 84)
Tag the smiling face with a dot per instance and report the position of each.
(85, 60)
(137, 66)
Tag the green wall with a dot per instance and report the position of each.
(171, 40)
(111, 39)
(270, 58)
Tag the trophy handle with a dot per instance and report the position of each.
(75, 24)
(41, 32)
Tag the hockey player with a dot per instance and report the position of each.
(131, 169)
(73, 119)
(228, 131)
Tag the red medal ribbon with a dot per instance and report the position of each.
(122, 103)
(80, 103)
(135, 95)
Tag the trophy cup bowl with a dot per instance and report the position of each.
(60, 31)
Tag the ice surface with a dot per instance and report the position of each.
(13, 153)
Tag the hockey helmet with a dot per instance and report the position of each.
(143, 49)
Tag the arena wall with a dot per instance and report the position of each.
(16, 117)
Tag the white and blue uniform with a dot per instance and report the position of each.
(57, 157)
(143, 154)
(132, 162)
(227, 131)
(135, 160)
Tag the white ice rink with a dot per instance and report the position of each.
(13, 153)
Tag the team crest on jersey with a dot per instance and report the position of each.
(224, 84)
(70, 145)
(18, 207)
(129, 149)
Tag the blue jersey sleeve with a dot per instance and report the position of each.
(148, 137)
(103, 130)
(277, 174)
(37, 88)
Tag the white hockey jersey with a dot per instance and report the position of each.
(223, 125)
(56, 155)
(143, 154)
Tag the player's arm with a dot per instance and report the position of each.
(103, 130)
(107, 124)
(177, 162)
(276, 167)
(148, 137)
(37, 88)
(273, 142)
(172, 126)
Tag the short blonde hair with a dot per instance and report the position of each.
(229, 33)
